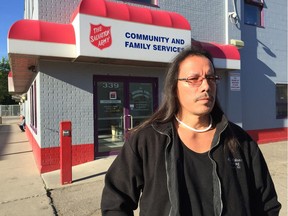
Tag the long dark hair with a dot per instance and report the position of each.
(170, 104)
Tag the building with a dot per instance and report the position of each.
(100, 64)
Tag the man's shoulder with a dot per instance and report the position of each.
(242, 136)
(154, 129)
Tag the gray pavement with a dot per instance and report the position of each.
(24, 191)
(22, 188)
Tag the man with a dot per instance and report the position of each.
(22, 123)
(188, 159)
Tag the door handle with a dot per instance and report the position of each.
(131, 121)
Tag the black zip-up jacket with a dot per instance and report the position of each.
(149, 167)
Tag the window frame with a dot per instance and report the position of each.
(259, 6)
(33, 107)
(279, 104)
(152, 2)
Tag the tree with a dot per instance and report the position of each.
(5, 97)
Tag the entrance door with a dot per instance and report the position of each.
(121, 103)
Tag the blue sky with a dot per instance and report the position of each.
(11, 11)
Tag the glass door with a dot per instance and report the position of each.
(121, 103)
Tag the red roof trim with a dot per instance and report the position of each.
(219, 50)
(121, 11)
(42, 31)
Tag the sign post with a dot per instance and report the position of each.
(65, 152)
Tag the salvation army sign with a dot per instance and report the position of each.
(118, 39)
(100, 36)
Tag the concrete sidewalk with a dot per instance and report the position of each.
(276, 157)
(25, 192)
(84, 194)
(22, 188)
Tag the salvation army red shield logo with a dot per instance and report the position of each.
(100, 36)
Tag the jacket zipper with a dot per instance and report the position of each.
(209, 155)
(166, 165)
(214, 163)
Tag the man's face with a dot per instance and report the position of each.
(197, 99)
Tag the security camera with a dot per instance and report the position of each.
(32, 68)
(232, 15)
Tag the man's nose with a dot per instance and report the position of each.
(205, 84)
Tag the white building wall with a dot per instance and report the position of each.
(31, 9)
(207, 18)
(264, 64)
(66, 96)
(58, 11)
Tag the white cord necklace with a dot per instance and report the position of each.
(193, 129)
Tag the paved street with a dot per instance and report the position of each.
(25, 192)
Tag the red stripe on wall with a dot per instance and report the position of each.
(269, 135)
(35, 148)
(48, 159)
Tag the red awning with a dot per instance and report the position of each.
(219, 50)
(36, 30)
(224, 56)
(40, 38)
(121, 11)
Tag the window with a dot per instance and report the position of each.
(147, 2)
(253, 12)
(33, 107)
(281, 101)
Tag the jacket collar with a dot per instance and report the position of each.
(163, 128)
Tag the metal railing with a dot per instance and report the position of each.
(9, 110)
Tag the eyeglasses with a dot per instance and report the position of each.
(198, 80)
